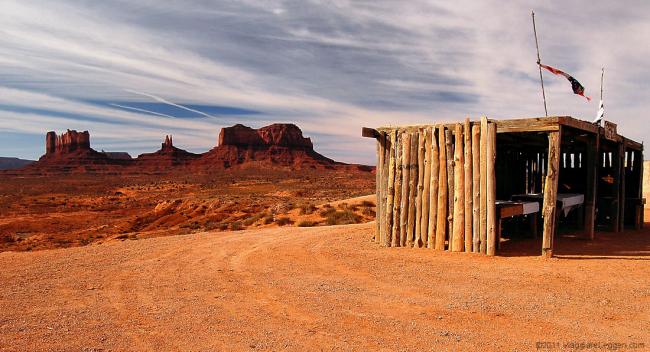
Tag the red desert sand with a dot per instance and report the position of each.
(323, 288)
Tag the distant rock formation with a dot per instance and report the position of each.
(167, 156)
(277, 145)
(13, 163)
(118, 155)
(278, 134)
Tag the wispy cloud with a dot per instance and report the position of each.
(165, 101)
(140, 110)
(329, 66)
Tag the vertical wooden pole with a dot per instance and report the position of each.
(390, 198)
(378, 172)
(381, 206)
(616, 216)
(468, 185)
(397, 201)
(549, 207)
(593, 150)
(623, 195)
(413, 180)
(491, 190)
(483, 191)
(476, 187)
(450, 185)
(406, 168)
(441, 217)
(639, 164)
(459, 192)
(433, 190)
(424, 222)
(417, 242)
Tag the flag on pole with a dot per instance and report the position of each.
(575, 85)
(601, 112)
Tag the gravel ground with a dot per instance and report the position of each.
(325, 288)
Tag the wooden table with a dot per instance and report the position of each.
(565, 201)
(508, 208)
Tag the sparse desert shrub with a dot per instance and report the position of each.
(223, 226)
(236, 226)
(327, 212)
(343, 217)
(367, 203)
(307, 223)
(268, 219)
(367, 211)
(283, 221)
(253, 219)
(307, 209)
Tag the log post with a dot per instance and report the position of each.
(433, 190)
(483, 186)
(397, 205)
(476, 186)
(640, 221)
(450, 185)
(381, 205)
(459, 192)
(491, 190)
(549, 208)
(413, 180)
(616, 209)
(622, 193)
(424, 222)
(468, 185)
(593, 150)
(417, 242)
(441, 217)
(389, 161)
(406, 167)
(378, 191)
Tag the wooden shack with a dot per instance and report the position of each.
(450, 186)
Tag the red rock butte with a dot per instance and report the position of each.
(277, 146)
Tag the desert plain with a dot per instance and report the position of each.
(95, 263)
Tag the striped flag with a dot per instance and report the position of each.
(575, 85)
(601, 112)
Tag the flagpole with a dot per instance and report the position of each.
(541, 79)
(602, 74)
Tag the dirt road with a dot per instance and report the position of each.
(324, 288)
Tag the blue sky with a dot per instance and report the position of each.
(132, 71)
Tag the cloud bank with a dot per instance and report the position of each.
(329, 66)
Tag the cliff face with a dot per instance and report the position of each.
(282, 135)
(276, 146)
(166, 156)
(68, 142)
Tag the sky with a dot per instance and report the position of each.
(131, 72)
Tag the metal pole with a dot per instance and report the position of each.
(541, 79)
(602, 74)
